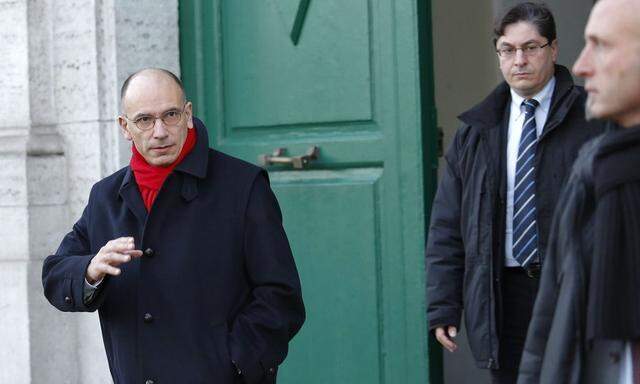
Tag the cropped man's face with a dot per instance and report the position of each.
(610, 62)
(154, 99)
(526, 69)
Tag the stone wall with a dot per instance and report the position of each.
(62, 65)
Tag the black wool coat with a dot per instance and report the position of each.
(554, 350)
(465, 245)
(216, 292)
(587, 307)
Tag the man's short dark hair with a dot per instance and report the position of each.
(170, 74)
(537, 14)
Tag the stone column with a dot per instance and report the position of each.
(14, 199)
(63, 63)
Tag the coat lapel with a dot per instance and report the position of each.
(131, 197)
(562, 100)
(488, 117)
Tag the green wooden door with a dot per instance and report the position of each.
(342, 76)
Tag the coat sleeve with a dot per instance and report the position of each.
(444, 256)
(568, 248)
(561, 246)
(275, 312)
(541, 320)
(63, 273)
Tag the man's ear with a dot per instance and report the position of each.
(188, 109)
(124, 128)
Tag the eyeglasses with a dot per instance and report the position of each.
(528, 50)
(169, 118)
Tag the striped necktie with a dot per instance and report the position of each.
(525, 228)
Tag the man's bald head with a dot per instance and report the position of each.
(150, 72)
(610, 61)
(621, 13)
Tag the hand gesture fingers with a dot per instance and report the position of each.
(445, 338)
(110, 256)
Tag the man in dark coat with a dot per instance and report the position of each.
(215, 295)
(586, 321)
(502, 177)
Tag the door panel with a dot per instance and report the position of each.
(339, 268)
(314, 86)
(355, 218)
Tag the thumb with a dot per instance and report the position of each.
(452, 331)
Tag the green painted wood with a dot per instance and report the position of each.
(355, 219)
(430, 152)
(338, 257)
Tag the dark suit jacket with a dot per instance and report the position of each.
(217, 284)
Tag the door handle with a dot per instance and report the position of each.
(298, 162)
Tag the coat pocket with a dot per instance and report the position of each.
(474, 214)
(219, 335)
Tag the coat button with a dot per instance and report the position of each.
(149, 252)
(148, 318)
(149, 382)
(272, 371)
(67, 299)
(235, 365)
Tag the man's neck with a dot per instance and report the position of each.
(631, 119)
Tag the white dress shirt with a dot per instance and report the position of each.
(516, 120)
(626, 369)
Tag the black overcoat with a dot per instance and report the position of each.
(217, 283)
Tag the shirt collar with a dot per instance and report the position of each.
(543, 97)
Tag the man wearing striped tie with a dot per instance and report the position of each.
(501, 181)
(586, 322)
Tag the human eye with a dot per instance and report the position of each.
(171, 114)
(143, 119)
(531, 48)
(508, 50)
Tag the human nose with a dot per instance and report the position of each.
(582, 66)
(519, 57)
(159, 128)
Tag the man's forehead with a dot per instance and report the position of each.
(152, 88)
(616, 18)
(520, 33)
(152, 79)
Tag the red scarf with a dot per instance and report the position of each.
(150, 177)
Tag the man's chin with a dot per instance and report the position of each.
(590, 113)
(161, 161)
(524, 88)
